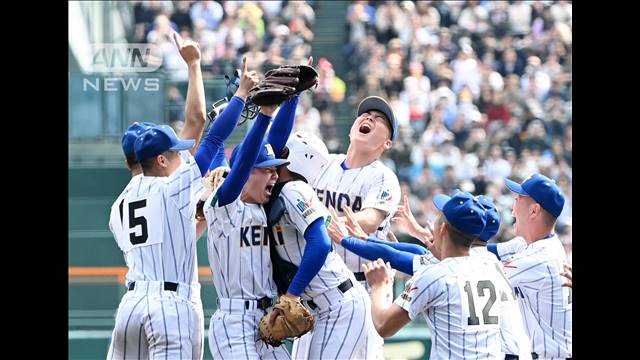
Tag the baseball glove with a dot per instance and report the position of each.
(282, 83)
(210, 183)
(288, 318)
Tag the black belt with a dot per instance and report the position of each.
(171, 286)
(360, 276)
(344, 287)
(511, 357)
(263, 304)
(535, 356)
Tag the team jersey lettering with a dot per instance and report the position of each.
(337, 200)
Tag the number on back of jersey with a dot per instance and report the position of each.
(141, 222)
(478, 298)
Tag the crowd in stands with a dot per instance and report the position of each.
(481, 89)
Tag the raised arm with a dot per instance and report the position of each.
(247, 155)
(195, 106)
(315, 253)
(283, 122)
(210, 153)
(371, 250)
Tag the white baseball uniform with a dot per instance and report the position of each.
(342, 317)
(513, 337)
(371, 186)
(238, 249)
(546, 306)
(154, 225)
(457, 297)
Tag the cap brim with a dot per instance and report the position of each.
(272, 162)
(183, 145)
(379, 104)
(440, 199)
(515, 187)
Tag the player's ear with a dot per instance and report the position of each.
(387, 144)
(161, 160)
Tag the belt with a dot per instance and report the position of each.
(171, 286)
(535, 356)
(360, 276)
(344, 287)
(242, 305)
(511, 357)
(263, 303)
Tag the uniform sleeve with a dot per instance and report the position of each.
(115, 220)
(384, 193)
(302, 205)
(184, 186)
(509, 248)
(424, 290)
(223, 214)
(420, 261)
(526, 269)
(370, 250)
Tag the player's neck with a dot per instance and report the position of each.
(356, 158)
(537, 233)
(136, 170)
(450, 249)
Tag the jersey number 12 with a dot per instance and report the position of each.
(473, 319)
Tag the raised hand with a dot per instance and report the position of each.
(568, 273)
(336, 228)
(377, 273)
(352, 224)
(404, 217)
(189, 49)
(248, 79)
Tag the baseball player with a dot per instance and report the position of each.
(534, 270)
(409, 258)
(163, 303)
(320, 277)
(457, 296)
(360, 181)
(237, 244)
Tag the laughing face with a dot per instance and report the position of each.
(371, 128)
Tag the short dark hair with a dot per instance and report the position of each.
(457, 237)
(149, 163)
(547, 218)
(131, 161)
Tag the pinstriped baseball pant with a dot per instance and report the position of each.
(153, 323)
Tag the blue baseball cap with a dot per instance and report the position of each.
(158, 139)
(380, 104)
(129, 137)
(266, 157)
(541, 189)
(462, 211)
(492, 224)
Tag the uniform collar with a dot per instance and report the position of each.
(544, 241)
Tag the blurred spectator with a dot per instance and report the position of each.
(210, 11)
(496, 167)
(175, 104)
(299, 10)
(520, 17)
(181, 16)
